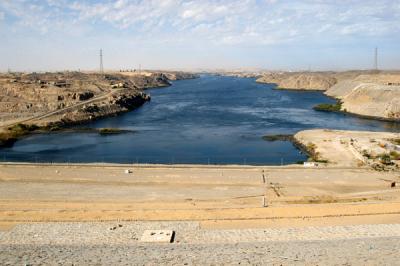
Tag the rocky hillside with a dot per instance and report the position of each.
(299, 81)
(177, 75)
(126, 100)
(366, 93)
(64, 98)
(368, 99)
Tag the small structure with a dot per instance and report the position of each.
(61, 83)
(128, 171)
(263, 202)
(118, 85)
(310, 164)
(158, 236)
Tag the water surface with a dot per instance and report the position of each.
(212, 119)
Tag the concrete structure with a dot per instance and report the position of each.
(310, 164)
(158, 236)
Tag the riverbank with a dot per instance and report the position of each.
(53, 101)
(368, 94)
(379, 150)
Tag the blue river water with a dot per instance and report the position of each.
(209, 120)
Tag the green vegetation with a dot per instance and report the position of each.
(23, 128)
(278, 137)
(7, 138)
(110, 131)
(314, 155)
(365, 153)
(326, 107)
(311, 147)
(395, 141)
(52, 128)
(394, 155)
(385, 158)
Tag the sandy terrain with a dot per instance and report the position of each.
(93, 193)
(351, 148)
(96, 214)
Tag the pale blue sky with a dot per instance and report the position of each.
(176, 34)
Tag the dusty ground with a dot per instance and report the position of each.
(217, 196)
(352, 148)
(62, 214)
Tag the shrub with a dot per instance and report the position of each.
(278, 137)
(385, 158)
(106, 131)
(394, 155)
(327, 107)
(396, 141)
(7, 138)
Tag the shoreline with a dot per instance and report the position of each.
(376, 118)
(125, 100)
(177, 166)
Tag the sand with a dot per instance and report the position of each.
(62, 214)
(348, 148)
(213, 195)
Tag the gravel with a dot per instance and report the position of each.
(96, 244)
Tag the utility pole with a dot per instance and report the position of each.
(101, 61)
(376, 59)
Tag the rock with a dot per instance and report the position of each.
(299, 81)
(368, 99)
(85, 95)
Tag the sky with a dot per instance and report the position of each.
(43, 35)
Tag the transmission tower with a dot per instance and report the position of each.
(101, 61)
(376, 59)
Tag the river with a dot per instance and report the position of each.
(209, 120)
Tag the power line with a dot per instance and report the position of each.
(101, 61)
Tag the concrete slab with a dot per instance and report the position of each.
(158, 236)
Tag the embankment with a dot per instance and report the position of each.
(368, 99)
(364, 93)
(299, 81)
